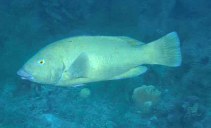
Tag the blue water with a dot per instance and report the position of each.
(185, 91)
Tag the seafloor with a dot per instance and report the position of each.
(185, 91)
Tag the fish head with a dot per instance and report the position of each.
(43, 68)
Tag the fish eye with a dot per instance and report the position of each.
(41, 61)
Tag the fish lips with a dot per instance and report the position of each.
(25, 75)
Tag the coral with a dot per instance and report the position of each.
(84, 93)
(145, 97)
(32, 24)
(193, 109)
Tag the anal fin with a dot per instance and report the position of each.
(131, 73)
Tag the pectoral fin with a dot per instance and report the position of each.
(79, 67)
(131, 73)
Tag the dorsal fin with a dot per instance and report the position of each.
(131, 41)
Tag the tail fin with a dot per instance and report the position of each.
(166, 50)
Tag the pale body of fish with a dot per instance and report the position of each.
(84, 59)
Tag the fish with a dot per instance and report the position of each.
(84, 59)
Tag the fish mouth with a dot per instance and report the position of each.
(25, 75)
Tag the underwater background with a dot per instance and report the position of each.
(171, 97)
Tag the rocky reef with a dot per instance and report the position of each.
(182, 100)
